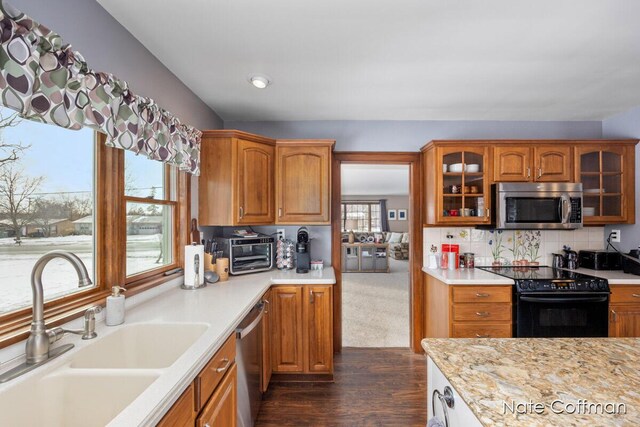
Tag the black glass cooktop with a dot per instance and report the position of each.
(536, 273)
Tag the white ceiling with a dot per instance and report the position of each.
(398, 60)
(374, 180)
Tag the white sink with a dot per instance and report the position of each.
(140, 346)
(73, 397)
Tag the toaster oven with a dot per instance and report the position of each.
(247, 254)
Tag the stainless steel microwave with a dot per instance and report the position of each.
(544, 205)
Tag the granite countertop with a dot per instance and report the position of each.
(468, 276)
(487, 372)
(221, 306)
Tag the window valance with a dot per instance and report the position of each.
(44, 80)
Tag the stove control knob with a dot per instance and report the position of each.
(593, 285)
(602, 285)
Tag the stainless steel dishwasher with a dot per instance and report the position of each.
(249, 361)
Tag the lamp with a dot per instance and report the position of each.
(350, 225)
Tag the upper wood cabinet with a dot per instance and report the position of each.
(524, 162)
(236, 184)
(607, 172)
(303, 181)
(457, 178)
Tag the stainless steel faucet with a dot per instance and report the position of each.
(40, 339)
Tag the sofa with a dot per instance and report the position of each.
(398, 242)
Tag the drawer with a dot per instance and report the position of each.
(625, 293)
(209, 378)
(482, 293)
(481, 330)
(482, 312)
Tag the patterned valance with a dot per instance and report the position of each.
(46, 81)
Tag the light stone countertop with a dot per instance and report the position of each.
(221, 306)
(475, 276)
(487, 372)
(468, 276)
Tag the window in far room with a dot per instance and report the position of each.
(367, 214)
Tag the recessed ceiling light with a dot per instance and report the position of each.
(259, 81)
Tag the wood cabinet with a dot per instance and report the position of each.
(236, 183)
(303, 181)
(221, 409)
(624, 311)
(302, 329)
(468, 311)
(211, 398)
(607, 172)
(525, 162)
(457, 182)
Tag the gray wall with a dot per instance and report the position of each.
(626, 125)
(108, 46)
(411, 135)
(393, 202)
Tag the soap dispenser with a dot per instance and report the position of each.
(115, 307)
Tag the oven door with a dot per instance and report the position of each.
(562, 315)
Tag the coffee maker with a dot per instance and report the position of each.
(303, 251)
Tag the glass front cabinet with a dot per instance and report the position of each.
(606, 171)
(457, 183)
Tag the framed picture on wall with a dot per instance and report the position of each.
(402, 214)
(391, 215)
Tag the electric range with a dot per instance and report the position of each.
(552, 302)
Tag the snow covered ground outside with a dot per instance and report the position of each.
(59, 277)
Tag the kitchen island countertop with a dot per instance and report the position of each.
(489, 373)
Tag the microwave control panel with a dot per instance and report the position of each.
(576, 210)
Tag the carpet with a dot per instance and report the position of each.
(375, 307)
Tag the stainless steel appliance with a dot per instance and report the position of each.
(600, 260)
(247, 254)
(542, 205)
(554, 303)
(249, 359)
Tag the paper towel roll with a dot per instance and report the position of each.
(193, 256)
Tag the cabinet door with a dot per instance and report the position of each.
(512, 164)
(220, 410)
(553, 163)
(624, 321)
(302, 184)
(182, 413)
(319, 324)
(287, 329)
(255, 183)
(266, 343)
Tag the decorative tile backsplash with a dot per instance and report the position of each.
(509, 245)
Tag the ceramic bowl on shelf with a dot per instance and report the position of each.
(592, 191)
(453, 212)
(472, 167)
(589, 211)
(456, 167)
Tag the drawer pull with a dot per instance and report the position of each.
(635, 295)
(482, 335)
(479, 295)
(482, 313)
(226, 362)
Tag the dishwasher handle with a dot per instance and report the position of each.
(243, 332)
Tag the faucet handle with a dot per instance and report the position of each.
(92, 311)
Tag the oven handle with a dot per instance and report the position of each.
(561, 300)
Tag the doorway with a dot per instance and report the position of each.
(375, 244)
(368, 296)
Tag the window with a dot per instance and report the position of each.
(125, 216)
(367, 215)
(46, 203)
(150, 198)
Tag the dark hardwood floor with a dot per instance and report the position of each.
(373, 387)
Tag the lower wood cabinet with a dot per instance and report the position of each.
(302, 329)
(624, 311)
(211, 399)
(468, 311)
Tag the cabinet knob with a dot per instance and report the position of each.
(311, 296)
(539, 172)
(482, 313)
(482, 335)
(528, 172)
(225, 364)
(635, 295)
(279, 212)
(480, 295)
(241, 211)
